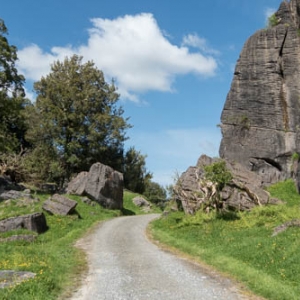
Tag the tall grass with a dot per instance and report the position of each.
(241, 244)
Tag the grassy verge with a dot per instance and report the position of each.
(242, 245)
(52, 256)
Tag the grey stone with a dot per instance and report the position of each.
(59, 205)
(101, 184)
(261, 116)
(140, 201)
(243, 192)
(9, 278)
(285, 226)
(77, 184)
(35, 222)
(12, 194)
(50, 188)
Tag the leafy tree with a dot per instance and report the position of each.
(76, 119)
(135, 173)
(218, 174)
(12, 101)
(155, 193)
(272, 21)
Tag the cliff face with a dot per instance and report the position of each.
(261, 115)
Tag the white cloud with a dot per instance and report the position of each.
(30, 95)
(193, 40)
(131, 49)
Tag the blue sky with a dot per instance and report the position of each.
(173, 62)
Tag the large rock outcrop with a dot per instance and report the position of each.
(101, 184)
(260, 121)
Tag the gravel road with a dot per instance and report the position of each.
(125, 265)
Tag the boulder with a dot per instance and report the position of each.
(142, 203)
(13, 194)
(59, 205)
(101, 184)
(261, 116)
(77, 185)
(49, 188)
(243, 192)
(35, 222)
(7, 184)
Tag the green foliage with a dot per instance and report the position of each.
(135, 173)
(295, 156)
(12, 100)
(245, 122)
(272, 21)
(218, 174)
(76, 119)
(242, 245)
(155, 193)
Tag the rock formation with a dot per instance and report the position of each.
(260, 121)
(102, 184)
(243, 192)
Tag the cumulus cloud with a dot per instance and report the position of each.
(131, 49)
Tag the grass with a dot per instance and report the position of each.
(52, 256)
(241, 244)
(131, 209)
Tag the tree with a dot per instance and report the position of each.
(76, 119)
(155, 193)
(217, 176)
(12, 101)
(135, 173)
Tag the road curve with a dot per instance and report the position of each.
(125, 265)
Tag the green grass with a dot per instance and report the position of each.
(131, 209)
(242, 245)
(52, 256)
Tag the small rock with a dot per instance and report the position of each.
(9, 278)
(141, 202)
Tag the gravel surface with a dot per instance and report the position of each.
(125, 265)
